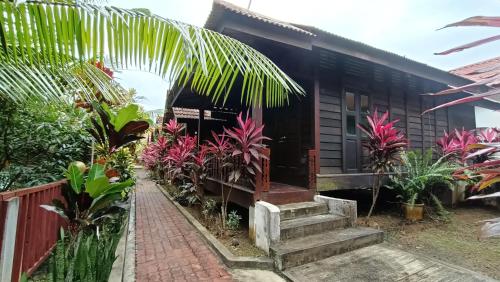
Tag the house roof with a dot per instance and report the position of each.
(328, 40)
(480, 70)
(219, 4)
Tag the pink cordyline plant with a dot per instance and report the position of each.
(246, 147)
(488, 135)
(174, 129)
(384, 145)
(180, 154)
(154, 153)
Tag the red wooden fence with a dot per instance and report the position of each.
(37, 229)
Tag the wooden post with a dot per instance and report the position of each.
(312, 162)
(262, 179)
(201, 118)
(316, 113)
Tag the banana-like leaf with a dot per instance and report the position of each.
(75, 178)
(97, 186)
(41, 34)
(126, 115)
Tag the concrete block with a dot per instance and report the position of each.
(342, 207)
(9, 240)
(266, 225)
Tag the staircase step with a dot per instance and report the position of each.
(303, 209)
(304, 226)
(311, 248)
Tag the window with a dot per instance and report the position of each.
(351, 124)
(350, 102)
(364, 104)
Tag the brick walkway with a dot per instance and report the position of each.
(168, 248)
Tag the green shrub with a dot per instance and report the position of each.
(233, 220)
(85, 257)
(37, 142)
(123, 161)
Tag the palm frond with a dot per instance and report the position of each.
(56, 34)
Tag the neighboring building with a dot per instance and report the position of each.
(478, 71)
(315, 144)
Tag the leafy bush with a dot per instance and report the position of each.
(37, 141)
(233, 220)
(90, 199)
(186, 195)
(84, 257)
(123, 162)
(116, 128)
(418, 174)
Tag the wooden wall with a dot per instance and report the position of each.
(388, 89)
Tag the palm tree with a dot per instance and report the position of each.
(46, 45)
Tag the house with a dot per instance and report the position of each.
(315, 144)
(476, 72)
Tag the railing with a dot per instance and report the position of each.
(36, 230)
(261, 179)
(312, 158)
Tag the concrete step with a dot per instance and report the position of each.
(311, 248)
(304, 226)
(300, 210)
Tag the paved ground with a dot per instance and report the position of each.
(381, 263)
(168, 248)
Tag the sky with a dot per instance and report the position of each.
(405, 27)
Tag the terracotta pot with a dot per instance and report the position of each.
(414, 212)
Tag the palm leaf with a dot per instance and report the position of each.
(208, 61)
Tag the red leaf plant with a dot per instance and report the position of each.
(246, 148)
(174, 130)
(384, 144)
(488, 135)
(154, 154)
(179, 156)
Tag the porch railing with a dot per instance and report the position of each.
(312, 158)
(262, 179)
(27, 232)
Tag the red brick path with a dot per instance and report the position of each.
(168, 248)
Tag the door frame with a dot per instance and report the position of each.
(358, 138)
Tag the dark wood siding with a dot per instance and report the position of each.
(388, 90)
(330, 121)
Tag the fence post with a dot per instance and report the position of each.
(9, 240)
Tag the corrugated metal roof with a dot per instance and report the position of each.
(245, 12)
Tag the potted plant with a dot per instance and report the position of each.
(415, 178)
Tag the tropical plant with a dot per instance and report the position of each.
(457, 143)
(384, 143)
(233, 220)
(246, 149)
(174, 130)
(38, 140)
(220, 150)
(419, 174)
(90, 199)
(198, 169)
(180, 156)
(86, 256)
(123, 162)
(113, 130)
(42, 42)
(154, 154)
